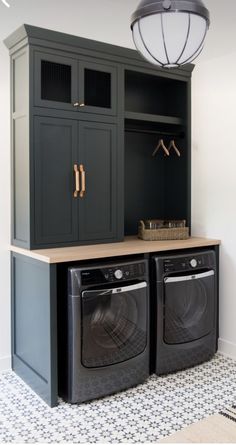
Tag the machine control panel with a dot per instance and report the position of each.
(183, 264)
(114, 273)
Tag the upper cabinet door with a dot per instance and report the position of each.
(55, 207)
(99, 181)
(97, 88)
(55, 83)
(68, 84)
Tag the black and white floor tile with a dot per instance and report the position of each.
(146, 413)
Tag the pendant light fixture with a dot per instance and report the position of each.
(170, 33)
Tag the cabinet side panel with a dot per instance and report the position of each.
(20, 77)
(34, 328)
(21, 180)
(20, 147)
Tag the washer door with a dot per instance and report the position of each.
(114, 324)
(189, 309)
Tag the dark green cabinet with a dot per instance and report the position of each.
(61, 215)
(55, 209)
(86, 119)
(68, 84)
(98, 155)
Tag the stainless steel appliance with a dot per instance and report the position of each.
(106, 346)
(185, 299)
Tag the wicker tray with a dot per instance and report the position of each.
(162, 234)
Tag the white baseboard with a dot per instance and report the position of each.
(5, 363)
(227, 348)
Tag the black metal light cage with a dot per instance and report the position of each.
(148, 7)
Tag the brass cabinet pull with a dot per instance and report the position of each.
(83, 181)
(78, 104)
(77, 186)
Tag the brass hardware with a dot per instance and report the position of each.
(77, 186)
(82, 105)
(83, 183)
(76, 104)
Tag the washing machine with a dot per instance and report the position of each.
(104, 330)
(184, 329)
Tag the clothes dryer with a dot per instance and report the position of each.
(106, 330)
(185, 300)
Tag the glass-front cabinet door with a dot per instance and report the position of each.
(55, 82)
(68, 84)
(97, 87)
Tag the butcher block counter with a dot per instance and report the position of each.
(130, 246)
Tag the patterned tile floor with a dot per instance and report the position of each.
(157, 408)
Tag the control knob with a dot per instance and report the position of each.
(193, 263)
(118, 274)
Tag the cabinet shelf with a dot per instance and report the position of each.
(144, 117)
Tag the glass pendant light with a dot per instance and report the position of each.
(170, 33)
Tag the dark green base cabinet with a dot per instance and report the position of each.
(89, 115)
(34, 325)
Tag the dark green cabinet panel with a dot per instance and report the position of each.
(55, 154)
(98, 155)
(34, 325)
(59, 216)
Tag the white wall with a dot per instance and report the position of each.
(214, 176)
(214, 179)
(104, 20)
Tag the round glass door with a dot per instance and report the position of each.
(188, 309)
(114, 325)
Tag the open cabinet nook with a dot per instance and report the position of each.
(157, 148)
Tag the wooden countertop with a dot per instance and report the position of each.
(130, 246)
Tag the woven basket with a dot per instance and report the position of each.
(162, 234)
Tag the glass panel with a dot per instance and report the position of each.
(113, 327)
(189, 306)
(97, 88)
(55, 82)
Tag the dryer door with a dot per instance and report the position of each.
(114, 324)
(189, 308)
